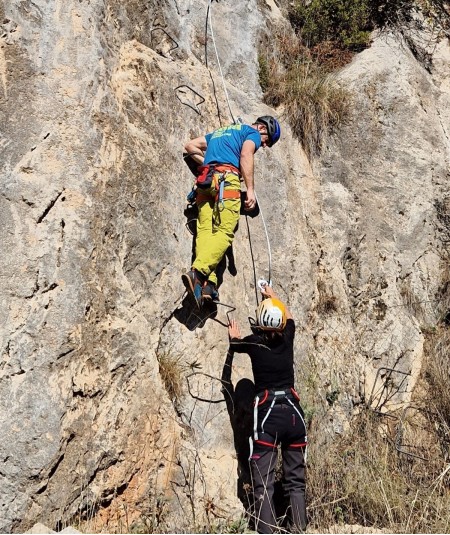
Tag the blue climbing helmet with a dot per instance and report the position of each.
(273, 128)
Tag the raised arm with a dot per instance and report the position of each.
(234, 330)
(268, 291)
(196, 148)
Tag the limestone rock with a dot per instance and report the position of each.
(40, 528)
(110, 391)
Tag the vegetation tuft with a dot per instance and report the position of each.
(313, 102)
(171, 371)
(391, 470)
(347, 23)
(295, 71)
(371, 478)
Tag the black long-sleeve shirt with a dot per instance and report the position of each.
(272, 358)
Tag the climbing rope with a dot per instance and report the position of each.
(209, 20)
(269, 250)
(208, 24)
(253, 259)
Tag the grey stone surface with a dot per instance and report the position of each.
(92, 195)
(40, 529)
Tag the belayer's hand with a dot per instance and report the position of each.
(250, 201)
(233, 329)
(268, 291)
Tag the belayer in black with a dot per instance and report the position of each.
(278, 417)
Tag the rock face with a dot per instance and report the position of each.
(110, 392)
(383, 178)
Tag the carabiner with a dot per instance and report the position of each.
(221, 190)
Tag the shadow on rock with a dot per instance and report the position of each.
(193, 317)
(239, 401)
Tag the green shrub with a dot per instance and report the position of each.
(294, 72)
(346, 22)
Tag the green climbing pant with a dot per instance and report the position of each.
(216, 223)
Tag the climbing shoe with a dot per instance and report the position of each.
(209, 292)
(193, 281)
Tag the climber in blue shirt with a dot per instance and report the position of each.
(225, 155)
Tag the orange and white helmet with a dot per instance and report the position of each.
(271, 315)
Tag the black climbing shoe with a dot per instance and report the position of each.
(209, 292)
(193, 281)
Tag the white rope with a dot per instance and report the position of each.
(218, 61)
(269, 251)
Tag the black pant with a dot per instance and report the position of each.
(284, 426)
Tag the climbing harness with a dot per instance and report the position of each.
(215, 175)
(206, 177)
(273, 397)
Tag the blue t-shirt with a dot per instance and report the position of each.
(225, 144)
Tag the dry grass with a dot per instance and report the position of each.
(171, 371)
(390, 471)
(412, 304)
(314, 103)
(437, 375)
(327, 302)
(367, 479)
(300, 80)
